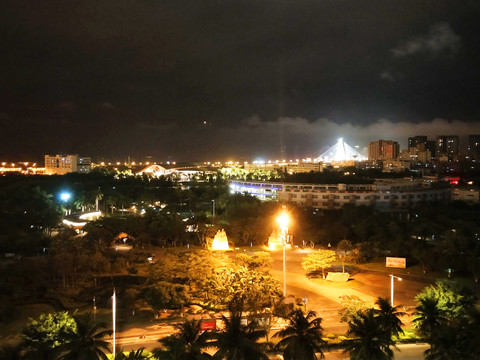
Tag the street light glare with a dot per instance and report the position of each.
(283, 220)
(65, 196)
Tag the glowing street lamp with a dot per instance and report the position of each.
(283, 221)
(65, 196)
(391, 286)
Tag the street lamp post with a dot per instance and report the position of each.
(213, 208)
(65, 197)
(283, 222)
(284, 273)
(114, 318)
(391, 286)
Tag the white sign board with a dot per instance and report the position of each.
(396, 262)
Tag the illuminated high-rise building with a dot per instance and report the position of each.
(474, 147)
(446, 145)
(418, 142)
(383, 150)
(421, 144)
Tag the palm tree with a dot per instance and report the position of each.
(388, 317)
(237, 341)
(187, 344)
(302, 338)
(428, 317)
(87, 343)
(371, 341)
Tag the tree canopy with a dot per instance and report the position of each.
(319, 260)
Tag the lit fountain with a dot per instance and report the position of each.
(220, 242)
(275, 241)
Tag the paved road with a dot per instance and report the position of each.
(404, 352)
(325, 300)
(150, 341)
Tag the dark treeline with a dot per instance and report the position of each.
(351, 175)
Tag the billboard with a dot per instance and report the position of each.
(396, 262)
(208, 325)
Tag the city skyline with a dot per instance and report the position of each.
(188, 81)
(462, 148)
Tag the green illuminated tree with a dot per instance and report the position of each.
(450, 298)
(449, 321)
(43, 336)
(320, 259)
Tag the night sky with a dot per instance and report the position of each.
(204, 79)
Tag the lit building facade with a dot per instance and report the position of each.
(261, 190)
(64, 164)
(446, 146)
(290, 167)
(383, 150)
(387, 195)
(474, 147)
(422, 148)
(415, 154)
(417, 141)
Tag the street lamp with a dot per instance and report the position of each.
(391, 286)
(283, 221)
(65, 196)
(114, 319)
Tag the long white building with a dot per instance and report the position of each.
(388, 195)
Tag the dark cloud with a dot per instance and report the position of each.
(120, 77)
(439, 39)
